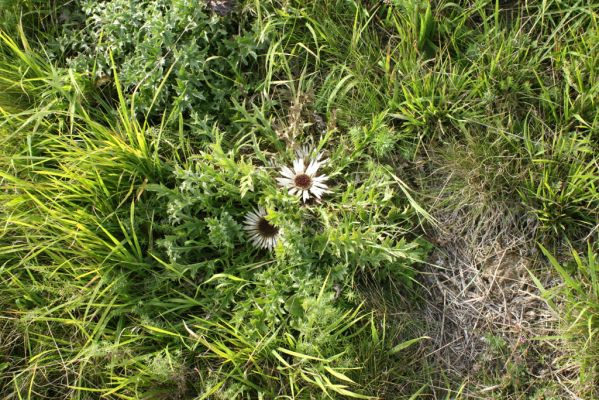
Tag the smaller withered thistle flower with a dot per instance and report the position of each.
(262, 233)
(303, 180)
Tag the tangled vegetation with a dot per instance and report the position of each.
(299, 199)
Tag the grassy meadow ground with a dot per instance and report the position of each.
(151, 247)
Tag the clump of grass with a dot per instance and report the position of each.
(493, 195)
(125, 268)
(39, 18)
(576, 301)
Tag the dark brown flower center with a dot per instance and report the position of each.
(303, 181)
(267, 229)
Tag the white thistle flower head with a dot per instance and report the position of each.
(262, 233)
(303, 180)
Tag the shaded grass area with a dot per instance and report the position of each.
(124, 268)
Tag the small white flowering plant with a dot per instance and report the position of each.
(275, 235)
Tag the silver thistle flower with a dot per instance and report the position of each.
(262, 233)
(303, 179)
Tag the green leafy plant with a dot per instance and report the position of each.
(181, 53)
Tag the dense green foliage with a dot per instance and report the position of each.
(178, 55)
(138, 135)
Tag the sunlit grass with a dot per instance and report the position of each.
(124, 271)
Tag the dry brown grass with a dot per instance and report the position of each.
(483, 310)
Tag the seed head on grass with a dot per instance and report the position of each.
(262, 233)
